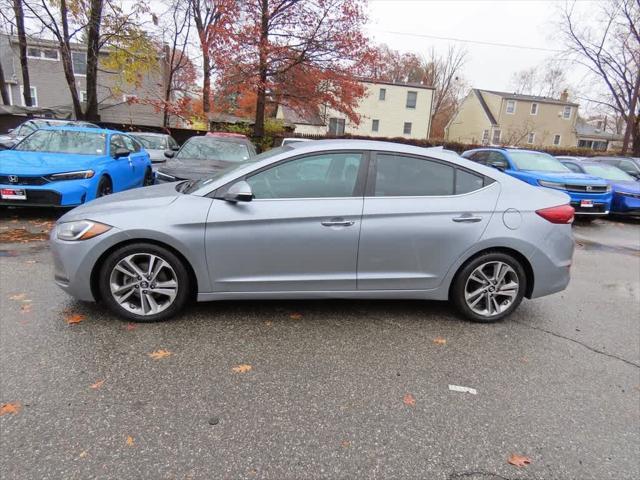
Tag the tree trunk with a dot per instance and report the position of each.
(261, 100)
(635, 149)
(67, 62)
(632, 124)
(206, 82)
(93, 47)
(22, 44)
(3, 87)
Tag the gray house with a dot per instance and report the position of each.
(49, 89)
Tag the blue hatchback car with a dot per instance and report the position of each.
(68, 166)
(626, 189)
(590, 195)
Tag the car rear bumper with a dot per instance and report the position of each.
(551, 262)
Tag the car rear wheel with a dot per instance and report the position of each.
(148, 178)
(489, 287)
(104, 187)
(144, 282)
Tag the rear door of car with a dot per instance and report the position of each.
(420, 214)
(299, 233)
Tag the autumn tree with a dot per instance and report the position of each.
(609, 47)
(301, 54)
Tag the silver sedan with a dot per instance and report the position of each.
(322, 219)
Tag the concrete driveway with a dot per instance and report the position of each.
(323, 389)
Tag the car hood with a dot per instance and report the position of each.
(14, 162)
(193, 169)
(131, 201)
(567, 177)
(628, 186)
(156, 156)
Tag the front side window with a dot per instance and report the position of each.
(402, 176)
(64, 141)
(534, 109)
(412, 99)
(382, 95)
(131, 144)
(336, 126)
(511, 106)
(566, 113)
(375, 125)
(151, 142)
(496, 159)
(318, 176)
(407, 128)
(556, 139)
(573, 167)
(117, 141)
(79, 61)
(209, 148)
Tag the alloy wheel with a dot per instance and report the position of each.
(491, 288)
(143, 284)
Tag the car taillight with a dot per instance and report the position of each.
(559, 214)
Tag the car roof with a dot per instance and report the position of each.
(84, 129)
(240, 139)
(225, 135)
(149, 134)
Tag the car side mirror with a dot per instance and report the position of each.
(121, 152)
(239, 192)
(499, 165)
(175, 148)
(10, 130)
(169, 153)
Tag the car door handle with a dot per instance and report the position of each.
(466, 219)
(337, 222)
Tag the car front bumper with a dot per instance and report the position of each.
(68, 193)
(624, 204)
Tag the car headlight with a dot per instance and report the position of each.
(80, 230)
(608, 188)
(77, 175)
(559, 186)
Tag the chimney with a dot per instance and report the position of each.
(564, 96)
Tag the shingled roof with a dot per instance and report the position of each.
(530, 98)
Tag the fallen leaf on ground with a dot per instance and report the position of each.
(97, 385)
(83, 454)
(158, 354)
(130, 441)
(22, 235)
(18, 297)
(409, 400)
(345, 444)
(295, 316)
(73, 318)
(268, 323)
(242, 368)
(25, 307)
(519, 460)
(439, 341)
(130, 326)
(13, 408)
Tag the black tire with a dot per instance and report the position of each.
(105, 187)
(182, 295)
(457, 292)
(148, 178)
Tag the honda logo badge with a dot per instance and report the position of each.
(589, 188)
(13, 179)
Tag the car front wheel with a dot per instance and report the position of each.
(489, 287)
(144, 282)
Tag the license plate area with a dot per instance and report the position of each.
(13, 194)
(586, 203)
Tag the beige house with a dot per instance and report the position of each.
(387, 110)
(499, 118)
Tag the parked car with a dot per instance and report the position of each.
(156, 144)
(590, 196)
(202, 156)
(626, 189)
(290, 140)
(68, 166)
(13, 136)
(630, 165)
(323, 219)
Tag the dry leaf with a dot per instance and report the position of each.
(73, 318)
(130, 326)
(345, 444)
(25, 307)
(13, 408)
(97, 385)
(83, 454)
(130, 441)
(519, 460)
(158, 354)
(295, 316)
(18, 296)
(268, 323)
(439, 341)
(409, 400)
(242, 368)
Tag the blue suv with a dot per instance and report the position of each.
(590, 195)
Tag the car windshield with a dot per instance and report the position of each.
(208, 148)
(193, 185)
(64, 141)
(537, 161)
(607, 172)
(152, 142)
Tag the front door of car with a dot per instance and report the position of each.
(121, 169)
(299, 233)
(138, 160)
(420, 215)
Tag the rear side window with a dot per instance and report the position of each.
(467, 182)
(401, 176)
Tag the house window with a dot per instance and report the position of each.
(375, 125)
(566, 113)
(556, 139)
(83, 96)
(336, 126)
(511, 107)
(531, 138)
(79, 61)
(383, 94)
(407, 128)
(42, 53)
(534, 109)
(412, 99)
(485, 137)
(34, 96)
(496, 137)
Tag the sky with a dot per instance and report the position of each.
(410, 25)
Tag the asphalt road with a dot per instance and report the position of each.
(336, 389)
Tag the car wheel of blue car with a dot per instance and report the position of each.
(104, 187)
(148, 178)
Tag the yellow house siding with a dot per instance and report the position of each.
(469, 122)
